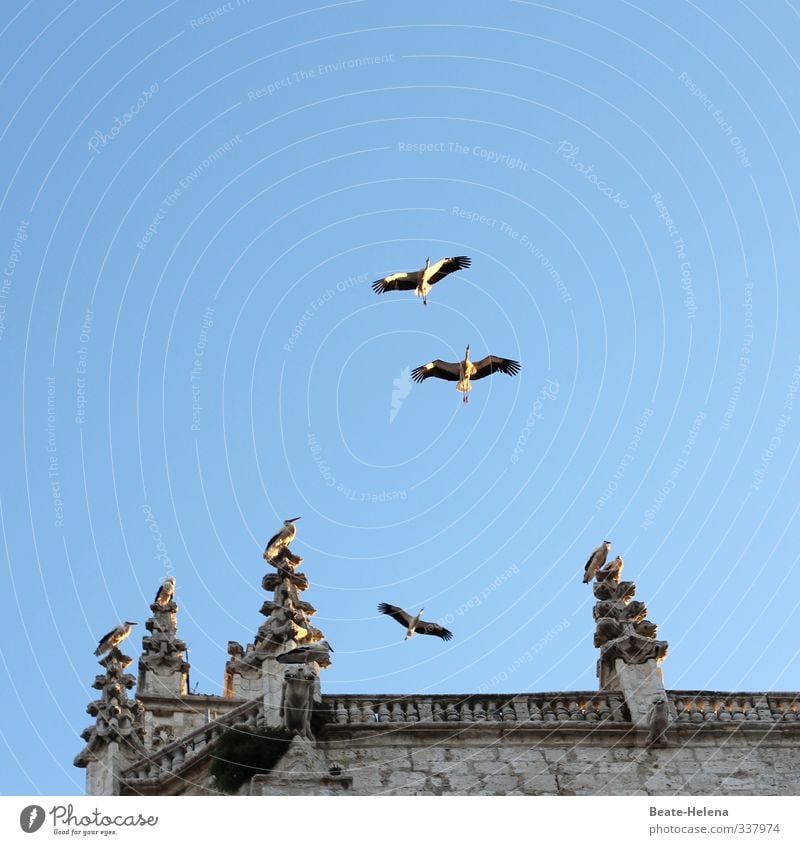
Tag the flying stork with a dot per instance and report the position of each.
(282, 538)
(465, 370)
(421, 281)
(165, 592)
(113, 638)
(412, 624)
(596, 559)
(315, 653)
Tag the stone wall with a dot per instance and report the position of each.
(579, 759)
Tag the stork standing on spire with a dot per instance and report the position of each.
(282, 538)
(596, 559)
(113, 638)
(165, 592)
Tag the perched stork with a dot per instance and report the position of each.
(421, 281)
(611, 571)
(412, 624)
(596, 559)
(282, 538)
(315, 653)
(114, 637)
(465, 370)
(165, 592)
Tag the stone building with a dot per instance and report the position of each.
(275, 732)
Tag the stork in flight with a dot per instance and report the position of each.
(165, 592)
(412, 624)
(421, 281)
(113, 638)
(282, 538)
(465, 370)
(596, 559)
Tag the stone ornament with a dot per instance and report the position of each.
(297, 700)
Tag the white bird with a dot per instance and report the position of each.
(315, 653)
(421, 281)
(165, 592)
(412, 624)
(282, 538)
(611, 571)
(596, 559)
(114, 637)
(465, 371)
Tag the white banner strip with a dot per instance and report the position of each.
(349, 820)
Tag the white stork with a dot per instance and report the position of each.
(113, 638)
(282, 538)
(611, 571)
(315, 653)
(465, 370)
(412, 624)
(596, 559)
(165, 592)
(421, 281)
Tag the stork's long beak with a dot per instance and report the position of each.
(294, 519)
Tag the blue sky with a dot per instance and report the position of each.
(195, 202)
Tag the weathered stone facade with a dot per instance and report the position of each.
(632, 737)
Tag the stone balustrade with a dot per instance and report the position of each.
(530, 708)
(698, 706)
(173, 757)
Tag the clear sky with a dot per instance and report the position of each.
(194, 203)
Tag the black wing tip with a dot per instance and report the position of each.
(378, 286)
(418, 374)
(383, 607)
(513, 367)
(446, 635)
(463, 261)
